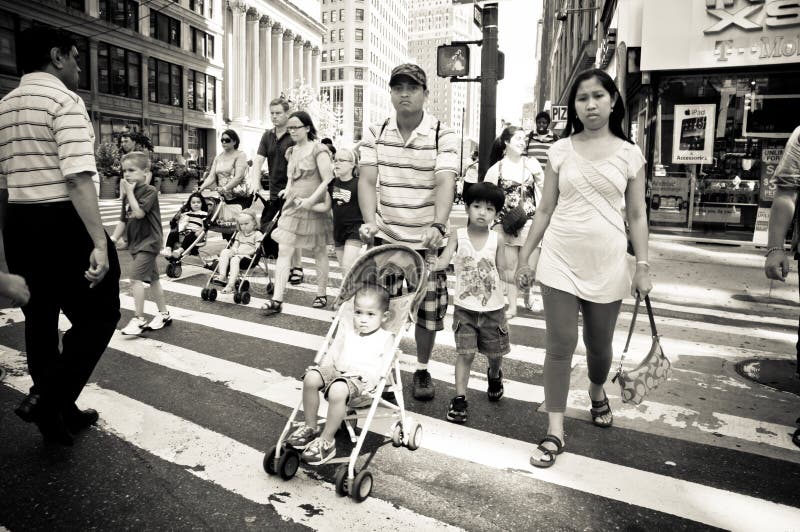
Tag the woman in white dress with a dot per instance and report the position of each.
(583, 264)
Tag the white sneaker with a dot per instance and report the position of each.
(135, 326)
(159, 321)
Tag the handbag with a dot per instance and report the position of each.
(655, 369)
(516, 218)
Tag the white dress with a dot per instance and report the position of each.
(584, 247)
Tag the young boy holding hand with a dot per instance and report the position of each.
(140, 221)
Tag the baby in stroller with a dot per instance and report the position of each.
(350, 371)
(186, 226)
(244, 246)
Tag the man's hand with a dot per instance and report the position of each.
(14, 288)
(431, 238)
(368, 231)
(98, 266)
(524, 276)
(776, 266)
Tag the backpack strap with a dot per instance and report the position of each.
(436, 140)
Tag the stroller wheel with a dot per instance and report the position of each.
(288, 464)
(244, 286)
(397, 434)
(362, 486)
(245, 298)
(270, 288)
(269, 462)
(237, 298)
(212, 294)
(341, 480)
(414, 436)
(204, 294)
(174, 270)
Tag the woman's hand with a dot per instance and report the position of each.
(304, 203)
(524, 275)
(641, 281)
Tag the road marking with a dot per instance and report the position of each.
(236, 467)
(166, 436)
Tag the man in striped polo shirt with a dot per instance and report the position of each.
(540, 140)
(413, 160)
(52, 231)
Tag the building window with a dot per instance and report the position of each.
(358, 73)
(324, 56)
(358, 112)
(198, 6)
(8, 43)
(359, 54)
(333, 74)
(359, 34)
(119, 71)
(167, 135)
(341, 15)
(341, 54)
(202, 43)
(111, 126)
(333, 35)
(333, 15)
(341, 34)
(196, 143)
(359, 14)
(324, 75)
(79, 5)
(165, 29)
(201, 92)
(324, 17)
(341, 73)
(164, 82)
(123, 13)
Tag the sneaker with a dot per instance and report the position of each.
(159, 321)
(423, 385)
(135, 326)
(457, 413)
(302, 437)
(319, 451)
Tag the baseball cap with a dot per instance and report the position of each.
(411, 71)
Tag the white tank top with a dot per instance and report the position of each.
(478, 284)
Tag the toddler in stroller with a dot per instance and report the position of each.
(186, 227)
(244, 246)
(356, 363)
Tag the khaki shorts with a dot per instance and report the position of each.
(356, 385)
(144, 267)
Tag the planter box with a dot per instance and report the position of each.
(169, 186)
(190, 186)
(109, 187)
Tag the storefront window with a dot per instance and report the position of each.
(118, 71)
(740, 139)
(112, 126)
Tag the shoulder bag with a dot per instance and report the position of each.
(516, 218)
(651, 372)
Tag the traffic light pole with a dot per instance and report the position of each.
(489, 62)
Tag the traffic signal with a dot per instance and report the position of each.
(452, 60)
(748, 102)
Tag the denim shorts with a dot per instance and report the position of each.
(481, 332)
(355, 385)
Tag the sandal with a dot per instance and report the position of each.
(548, 457)
(495, 390)
(320, 302)
(271, 306)
(600, 410)
(796, 435)
(296, 276)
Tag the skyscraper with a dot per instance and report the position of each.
(364, 40)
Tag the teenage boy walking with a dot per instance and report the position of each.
(416, 157)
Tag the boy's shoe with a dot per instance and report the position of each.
(159, 321)
(495, 389)
(423, 385)
(457, 412)
(302, 437)
(135, 326)
(319, 451)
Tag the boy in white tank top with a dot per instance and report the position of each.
(479, 321)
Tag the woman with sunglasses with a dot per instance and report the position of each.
(304, 223)
(229, 168)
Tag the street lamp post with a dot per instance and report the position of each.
(461, 158)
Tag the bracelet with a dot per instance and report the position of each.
(773, 249)
(638, 262)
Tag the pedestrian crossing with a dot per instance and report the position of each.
(707, 449)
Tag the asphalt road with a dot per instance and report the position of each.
(188, 412)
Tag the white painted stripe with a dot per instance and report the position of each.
(127, 418)
(236, 467)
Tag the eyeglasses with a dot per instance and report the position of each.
(294, 128)
(225, 140)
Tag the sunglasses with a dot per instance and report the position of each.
(225, 140)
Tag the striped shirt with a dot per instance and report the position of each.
(192, 221)
(45, 135)
(538, 146)
(406, 175)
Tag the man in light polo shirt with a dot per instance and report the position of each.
(414, 158)
(52, 231)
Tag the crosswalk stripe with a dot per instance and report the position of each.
(236, 467)
(670, 416)
(719, 507)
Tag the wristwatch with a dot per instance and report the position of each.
(442, 229)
